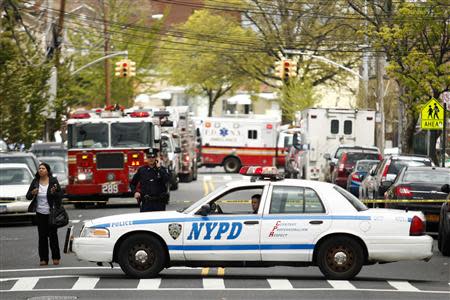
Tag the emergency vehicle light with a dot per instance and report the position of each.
(140, 114)
(80, 115)
(259, 171)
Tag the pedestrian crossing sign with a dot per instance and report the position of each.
(432, 115)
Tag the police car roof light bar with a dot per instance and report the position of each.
(260, 172)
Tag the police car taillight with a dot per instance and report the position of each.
(417, 226)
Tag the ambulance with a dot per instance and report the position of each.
(240, 140)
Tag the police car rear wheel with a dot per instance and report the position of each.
(340, 258)
(141, 256)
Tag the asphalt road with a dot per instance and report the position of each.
(22, 278)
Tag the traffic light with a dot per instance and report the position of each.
(289, 69)
(118, 69)
(279, 70)
(132, 68)
(125, 68)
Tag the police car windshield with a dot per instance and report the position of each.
(196, 205)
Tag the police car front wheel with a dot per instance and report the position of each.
(141, 256)
(340, 258)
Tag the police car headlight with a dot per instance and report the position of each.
(94, 232)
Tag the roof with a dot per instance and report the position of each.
(13, 166)
(16, 153)
(426, 168)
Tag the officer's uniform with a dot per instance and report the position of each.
(153, 183)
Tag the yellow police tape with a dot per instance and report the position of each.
(406, 201)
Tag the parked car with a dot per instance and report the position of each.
(3, 146)
(15, 180)
(419, 184)
(334, 157)
(374, 186)
(22, 158)
(59, 169)
(444, 224)
(49, 149)
(347, 162)
(360, 171)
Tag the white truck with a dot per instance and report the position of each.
(323, 130)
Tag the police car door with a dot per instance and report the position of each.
(292, 221)
(230, 232)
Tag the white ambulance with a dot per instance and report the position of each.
(240, 140)
(323, 130)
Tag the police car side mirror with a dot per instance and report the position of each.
(204, 210)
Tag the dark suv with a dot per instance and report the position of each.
(379, 179)
(347, 162)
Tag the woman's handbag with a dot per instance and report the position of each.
(58, 217)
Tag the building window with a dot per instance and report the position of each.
(348, 127)
(253, 134)
(334, 126)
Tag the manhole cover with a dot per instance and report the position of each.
(53, 298)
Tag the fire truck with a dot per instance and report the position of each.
(240, 140)
(105, 149)
(184, 132)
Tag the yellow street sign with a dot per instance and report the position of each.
(432, 115)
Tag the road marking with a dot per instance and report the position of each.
(341, 285)
(205, 188)
(280, 284)
(25, 284)
(207, 178)
(213, 283)
(56, 269)
(149, 284)
(211, 186)
(227, 178)
(403, 286)
(220, 271)
(75, 221)
(205, 271)
(85, 283)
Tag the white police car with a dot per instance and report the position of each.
(298, 223)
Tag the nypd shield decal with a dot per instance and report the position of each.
(175, 230)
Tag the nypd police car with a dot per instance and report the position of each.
(297, 223)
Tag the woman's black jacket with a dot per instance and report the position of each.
(54, 199)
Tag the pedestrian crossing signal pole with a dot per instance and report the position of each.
(444, 135)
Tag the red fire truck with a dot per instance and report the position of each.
(237, 141)
(105, 150)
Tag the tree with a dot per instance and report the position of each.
(206, 67)
(295, 96)
(23, 81)
(127, 30)
(416, 40)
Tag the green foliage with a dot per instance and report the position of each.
(205, 65)
(23, 86)
(88, 38)
(295, 96)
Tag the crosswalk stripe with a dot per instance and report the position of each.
(227, 178)
(207, 177)
(149, 284)
(85, 283)
(25, 284)
(280, 284)
(403, 286)
(213, 283)
(341, 284)
(75, 221)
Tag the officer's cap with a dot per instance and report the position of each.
(152, 153)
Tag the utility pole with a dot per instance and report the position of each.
(365, 65)
(106, 51)
(59, 32)
(380, 99)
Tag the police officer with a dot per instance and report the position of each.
(153, 180)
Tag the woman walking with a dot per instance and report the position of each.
(45, 193)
